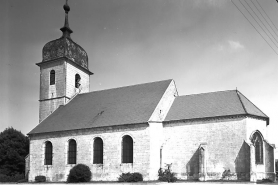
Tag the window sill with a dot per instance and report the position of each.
(71, 165)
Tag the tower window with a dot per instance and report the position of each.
(48, 153)
(72, 152)
(127, 150)
(77, 80)
(98, 151)
(52, 77)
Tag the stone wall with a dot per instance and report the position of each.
(47, 91)
(224, 141)
(156, 128)
(111, 167)
(70, 80)
(266, 169)
(51, 96)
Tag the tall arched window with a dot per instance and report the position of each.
(52, 77)
(258, 143)
(72, 152)
(127, 150)
(98, 151)
(48, 153)
(77, 80)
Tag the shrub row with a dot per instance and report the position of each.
(130, 177)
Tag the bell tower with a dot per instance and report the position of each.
(64, 71)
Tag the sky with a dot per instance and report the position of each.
(204, 45)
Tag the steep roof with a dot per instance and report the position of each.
(215, 104)
(119, 106)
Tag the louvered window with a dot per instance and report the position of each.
(127, 150)
(72, 152)
(48, 153)
(98, 151)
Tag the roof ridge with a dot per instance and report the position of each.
(206, 93)
(241, 102)
(127, 86)
(252, 104)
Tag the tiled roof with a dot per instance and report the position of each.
(119, 106)
(215, 104)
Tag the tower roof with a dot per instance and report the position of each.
(65, 47)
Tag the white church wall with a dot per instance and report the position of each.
(111, 167)
(266, 169)
(164, 104)
(156, 128)
(70, 77)
(225, 144)
(55, 91)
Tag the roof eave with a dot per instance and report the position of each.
(68, 60)
(59, 131)
(221, 117)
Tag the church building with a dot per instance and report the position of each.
(141, 128)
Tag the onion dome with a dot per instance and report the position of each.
(65, 47)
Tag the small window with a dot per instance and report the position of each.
(98, 151)
(258, 143)
(77, 80)
(52, 77)
(72, 152)
(127, 150)
(48, 153)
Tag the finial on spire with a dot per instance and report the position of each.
(66, 29)
(66, 7)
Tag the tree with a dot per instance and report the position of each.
(14, 147)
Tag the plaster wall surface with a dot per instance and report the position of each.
(112, 166)
(71, 71)
(51, 96)
(266, 169)
(224, 139)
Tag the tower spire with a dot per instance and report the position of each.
(66, 29)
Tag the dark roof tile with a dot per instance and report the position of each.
(119, 106)
(215, 104)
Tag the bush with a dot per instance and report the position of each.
(15, 178)
(166, 175)
(22, 180)
(266, 180)
(79, 173)
(40, 178)
(130, 177)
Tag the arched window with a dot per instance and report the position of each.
(127, 150)
(258, 143)
(77, 80)
(52, 77)
(72, 152)
(48, 153)
(98, 151)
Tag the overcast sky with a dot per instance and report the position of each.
(204, 45)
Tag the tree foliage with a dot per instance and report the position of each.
(14, 147)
